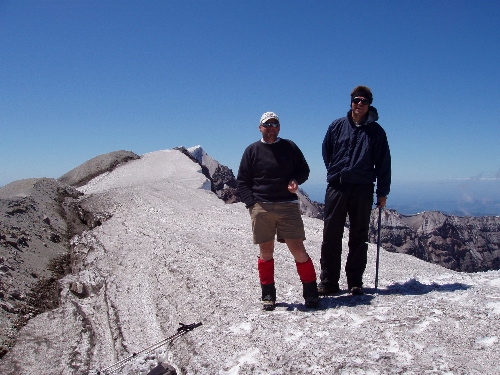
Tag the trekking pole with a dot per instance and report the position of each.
(182, 330)
(378, 246)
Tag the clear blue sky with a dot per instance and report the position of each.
(83, 78)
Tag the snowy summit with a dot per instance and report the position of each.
(172, 252)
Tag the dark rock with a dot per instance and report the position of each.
(38, 217)
(308, 207)
(223, 182)
(96, 166)
(79, 289)
(468, 244)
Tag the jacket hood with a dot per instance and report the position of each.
(372, 115)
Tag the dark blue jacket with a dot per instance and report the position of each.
(358, 154)
(266, 169)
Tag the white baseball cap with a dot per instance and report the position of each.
(269, 115)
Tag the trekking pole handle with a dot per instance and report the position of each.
(188, 327)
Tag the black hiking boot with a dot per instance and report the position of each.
(327, 289)
(357, 291)
(268, 304)
(268, 297)
(310, 293)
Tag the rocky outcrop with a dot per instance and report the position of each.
(37, 221)
(308, 207)
(96, 166)
(468, 244)
(38, 218)
(224, 183)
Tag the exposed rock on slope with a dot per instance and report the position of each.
(38, 218)
(37, 222)
(308, 207)
(224, 183)
(96, 166)
(468, 244)
(220, 176)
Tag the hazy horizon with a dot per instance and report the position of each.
(469, 197)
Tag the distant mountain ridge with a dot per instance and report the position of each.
(467, 244)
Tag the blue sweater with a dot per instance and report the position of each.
(266, 169)
(358, 154)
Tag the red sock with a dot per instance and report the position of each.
(266, 271)
(306, 271)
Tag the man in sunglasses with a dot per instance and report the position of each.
(270, 173)
(356, 154)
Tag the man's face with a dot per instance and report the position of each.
(269, 130)
(360, 109)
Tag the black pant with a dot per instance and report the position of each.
(341, 200)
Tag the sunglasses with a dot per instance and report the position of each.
(362, 100)
(271, 125)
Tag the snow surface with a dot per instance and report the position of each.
(174, 253)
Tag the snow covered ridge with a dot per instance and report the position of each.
(168, 250)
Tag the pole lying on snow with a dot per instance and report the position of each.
(378, 246)
(182, 330)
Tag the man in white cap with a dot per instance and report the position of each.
(270, 173)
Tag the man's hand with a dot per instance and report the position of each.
(293, 186)
(381, 201)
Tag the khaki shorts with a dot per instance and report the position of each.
(282, 219)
